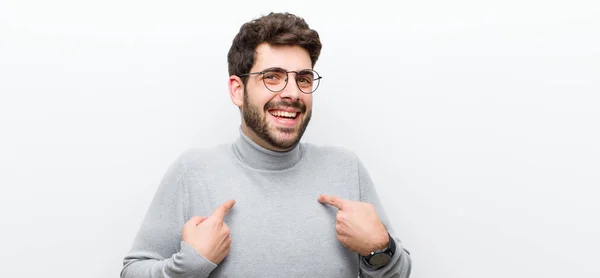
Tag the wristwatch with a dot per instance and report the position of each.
(380, 258)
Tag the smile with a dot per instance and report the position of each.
(284, 114)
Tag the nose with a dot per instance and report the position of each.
(291, 90)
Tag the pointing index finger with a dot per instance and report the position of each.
(332, 200)
(223, 209)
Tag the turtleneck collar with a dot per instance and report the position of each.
(258, 157)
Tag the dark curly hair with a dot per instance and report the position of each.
(275, 29)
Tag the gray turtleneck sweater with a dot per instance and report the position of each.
(278, 228)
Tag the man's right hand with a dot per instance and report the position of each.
(210, 235)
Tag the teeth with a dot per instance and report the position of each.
(283, 114)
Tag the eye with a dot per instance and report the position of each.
(274, 75)
(304, 80)
(271, 76)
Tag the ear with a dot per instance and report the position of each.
(236, 90)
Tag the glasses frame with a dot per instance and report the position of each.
(287, 72)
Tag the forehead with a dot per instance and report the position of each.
(286, 57)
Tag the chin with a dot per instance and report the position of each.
(284, 138)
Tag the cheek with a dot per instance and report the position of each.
(308, 102)
(259, 99)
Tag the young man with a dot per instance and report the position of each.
(268, 205)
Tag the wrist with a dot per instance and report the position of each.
(381, 257)
(382, 240)
(378, 241)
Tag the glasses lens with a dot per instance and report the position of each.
(275, 79)
(308, 81)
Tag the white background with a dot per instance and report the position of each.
(478, 121)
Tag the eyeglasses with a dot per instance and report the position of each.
(275, 79)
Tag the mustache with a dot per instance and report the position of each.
(286, 104)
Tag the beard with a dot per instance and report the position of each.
(256, 120)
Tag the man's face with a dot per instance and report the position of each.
(277, 120)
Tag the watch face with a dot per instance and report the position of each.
(379, 259)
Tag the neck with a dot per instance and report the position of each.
(252, 153)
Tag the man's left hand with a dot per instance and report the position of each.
(357, 225)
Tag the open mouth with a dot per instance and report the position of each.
(281, 114)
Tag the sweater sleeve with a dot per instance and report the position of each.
(158, 250)
(401, 263)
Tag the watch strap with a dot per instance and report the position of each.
(390, 250)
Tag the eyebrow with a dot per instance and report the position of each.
(305, 71)
(282, 69)
(274, 69)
